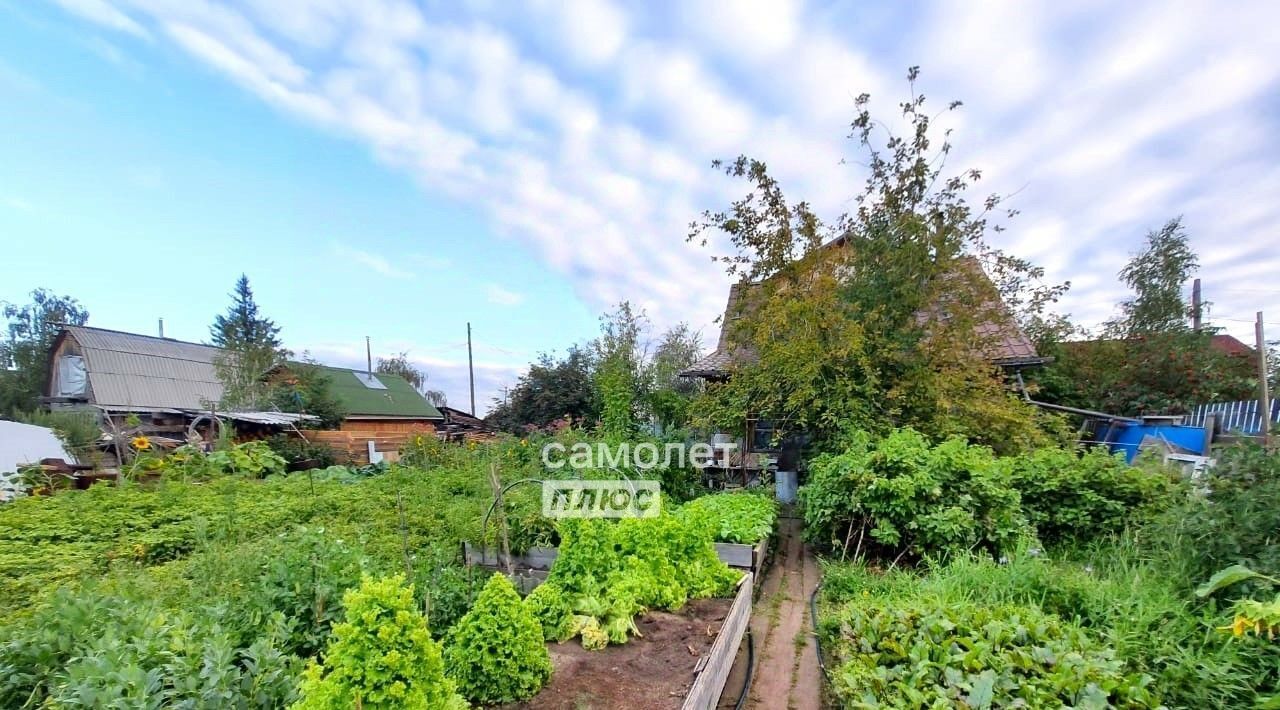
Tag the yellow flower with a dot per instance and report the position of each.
(140, 443)
(1239, 626)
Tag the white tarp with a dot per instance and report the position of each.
(21, 444)
(71, 376)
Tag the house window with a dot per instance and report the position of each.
(369, 380)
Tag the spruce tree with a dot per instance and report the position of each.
(251, 348)
(242, 326)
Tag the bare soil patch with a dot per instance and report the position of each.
(654, 671)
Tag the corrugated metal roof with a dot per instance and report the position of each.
(129, 371)
(272, 418)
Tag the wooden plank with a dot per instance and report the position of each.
(745, 557)
(535, 558)
(735, 554)
(710, 680)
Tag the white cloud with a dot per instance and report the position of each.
(584, 130)
(17, 203)
(502, 297)
(376, 263)
(103, 13)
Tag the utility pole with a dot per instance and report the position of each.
(471, 371)
(1196, 306)
(368, 355)
(1264, 397)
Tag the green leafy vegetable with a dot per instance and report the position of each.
(734, 517)
(381, 656)
(496, 652)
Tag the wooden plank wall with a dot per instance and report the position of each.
(387, 426)
(352, 447)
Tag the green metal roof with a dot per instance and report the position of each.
(398, 399)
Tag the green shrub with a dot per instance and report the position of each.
(925, 653)
(901, 496)
(381, 656)
(1073, 498)
(735, 517)
(496, 652)
(549, 605)
(1235, 521)
(294, 449)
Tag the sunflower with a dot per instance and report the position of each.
(140, 443)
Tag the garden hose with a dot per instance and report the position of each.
(817, 638)
(751, 668)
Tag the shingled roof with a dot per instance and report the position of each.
(1006, 344)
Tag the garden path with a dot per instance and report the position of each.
(786, 670)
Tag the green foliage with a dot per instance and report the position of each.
(496, 652)
(903, 496)
(1069, 496)
(381, 656)
(1149, 359)
(78, 430)
(252, 459)
(296, 450)
(1131, 593)
(551, 391)
(548, 604)
(304, 388)
(1235, 519)
(48, 541)
(889, 313)
(251, 348)
(611, 571)
(923, 653)
(735, 517)
(89, 649)
(29, 334)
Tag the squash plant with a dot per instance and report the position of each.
(381, 656)
(496, 652)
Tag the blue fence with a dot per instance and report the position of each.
(1235, 416)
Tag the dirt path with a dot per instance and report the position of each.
(786, 669)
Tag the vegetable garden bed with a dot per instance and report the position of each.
(681, 661)
(530, 569)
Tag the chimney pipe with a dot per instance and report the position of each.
(161, 327)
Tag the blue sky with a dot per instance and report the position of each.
(396, 169)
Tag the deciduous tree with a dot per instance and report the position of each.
(24, 352)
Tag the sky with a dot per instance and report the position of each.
(398, 169)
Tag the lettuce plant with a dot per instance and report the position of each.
(549, 605)
(381, 656)
(496, 651)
